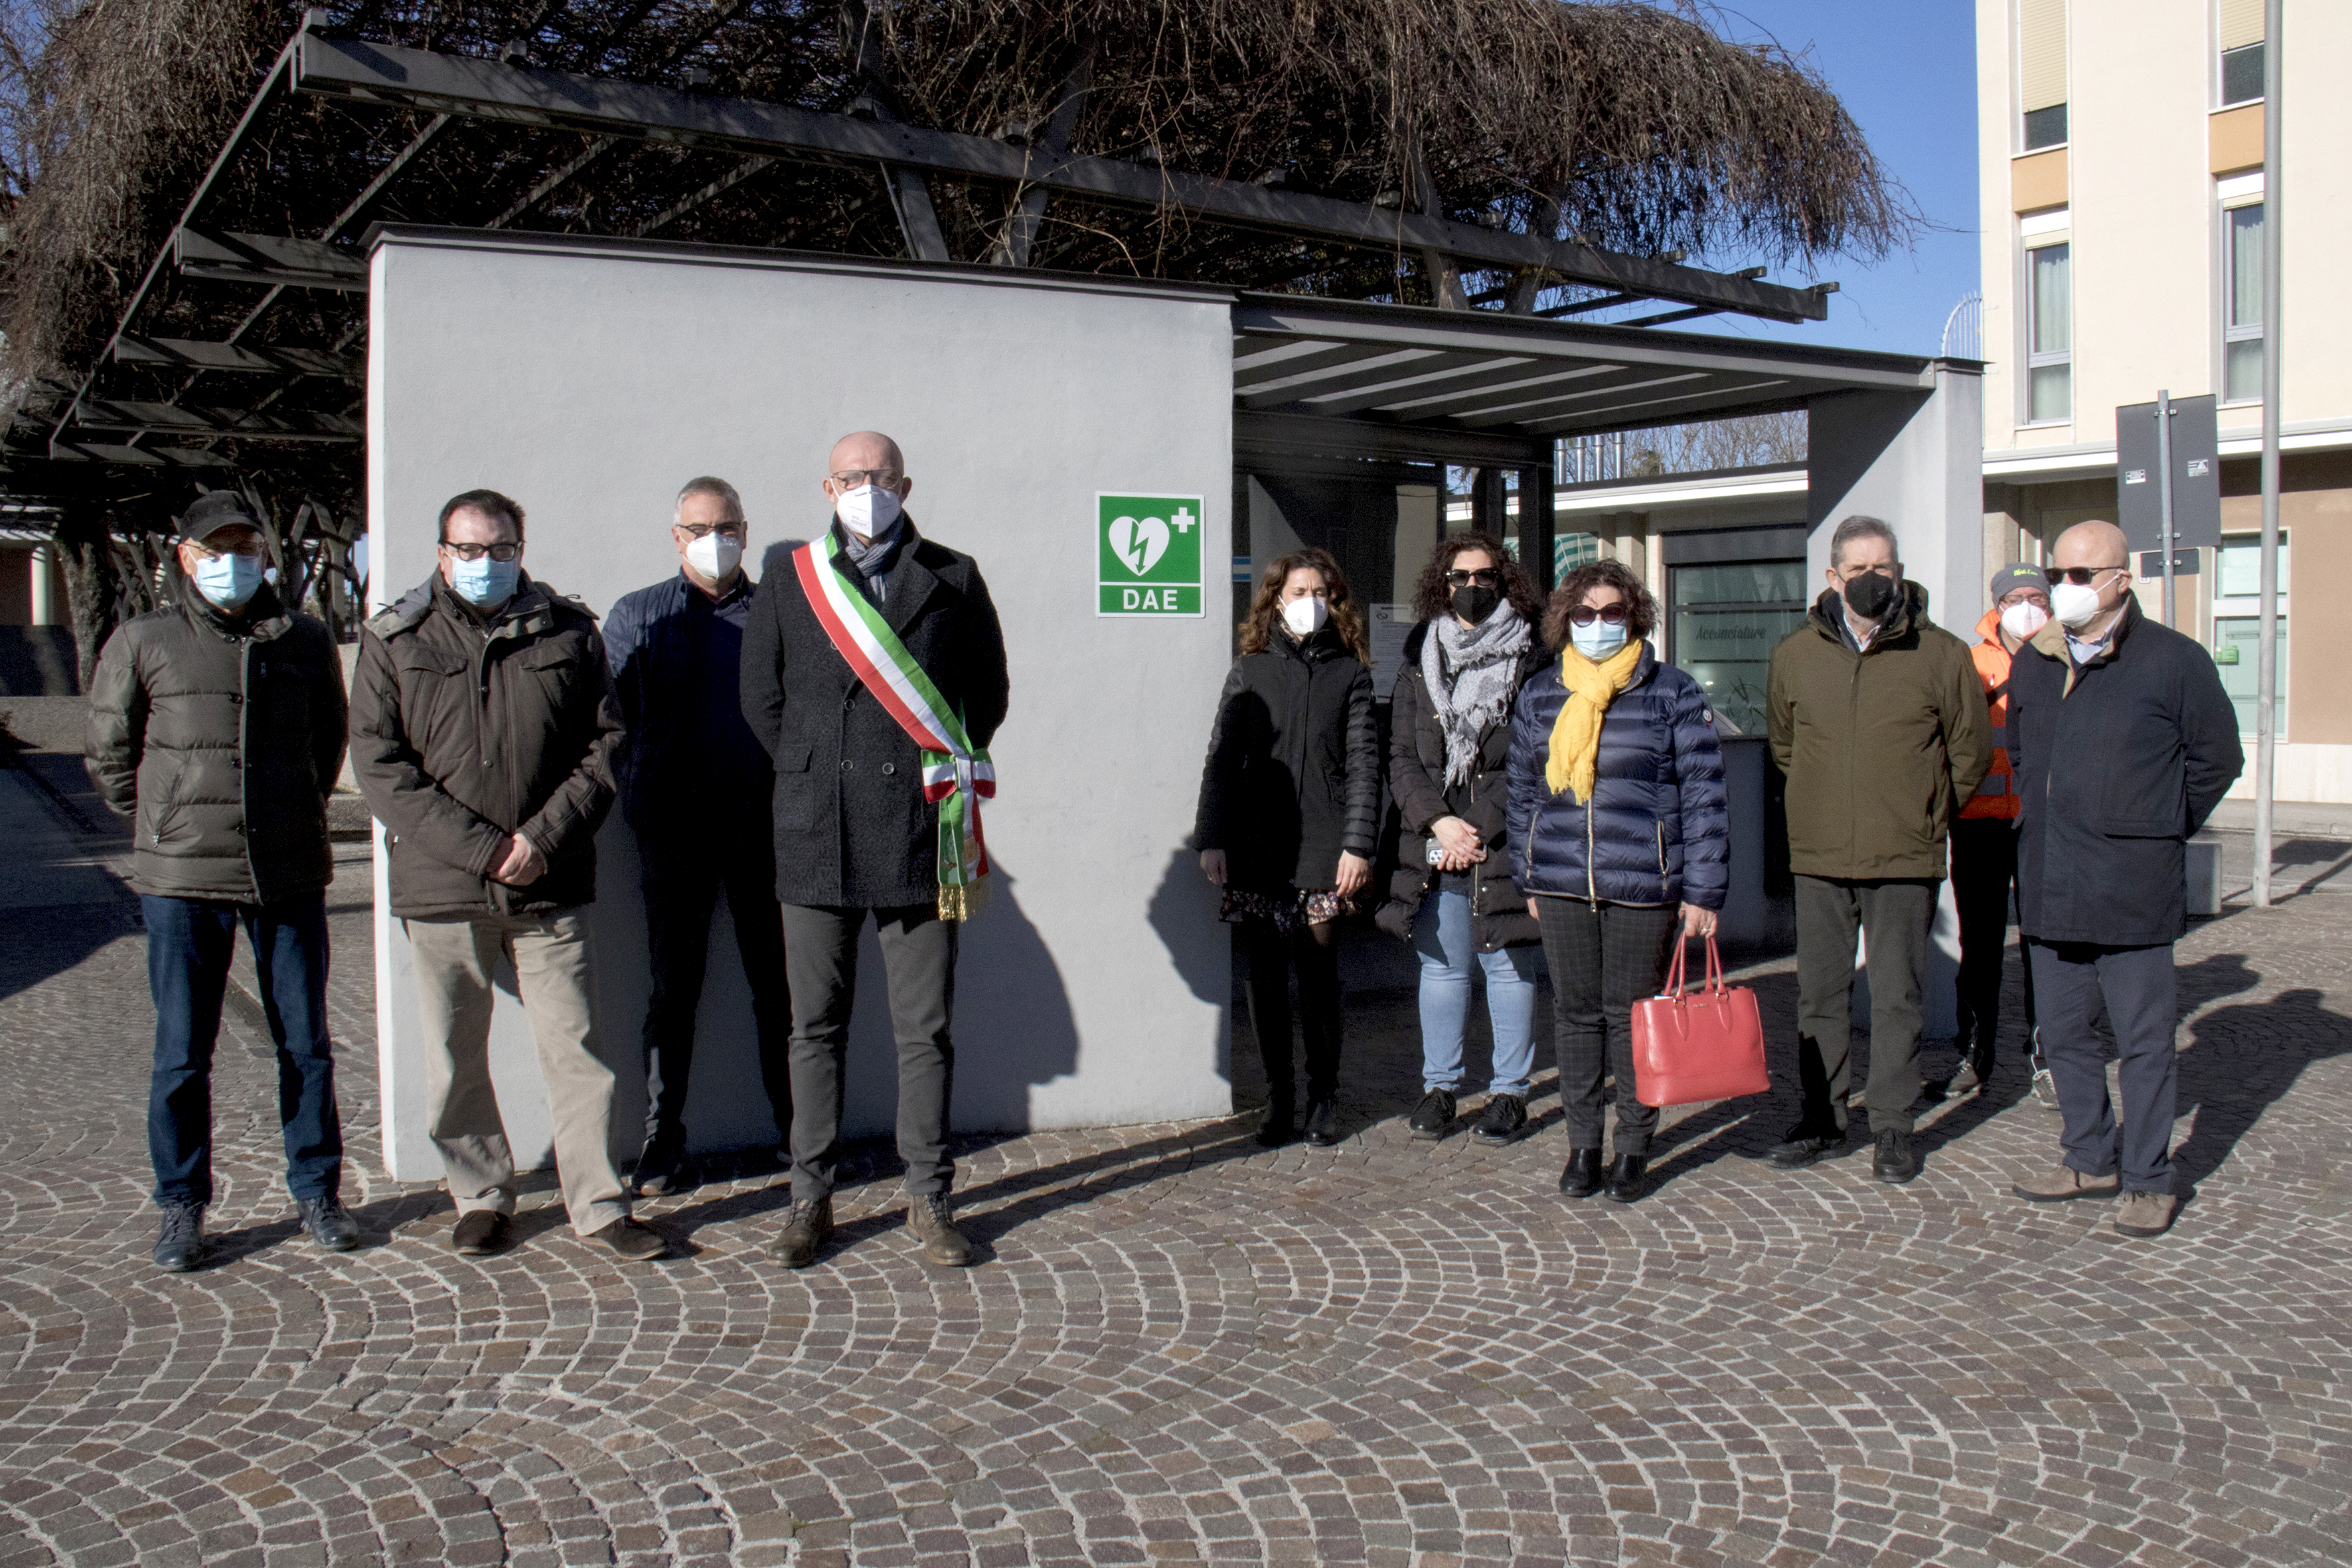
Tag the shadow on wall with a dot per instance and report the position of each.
(1183, 906)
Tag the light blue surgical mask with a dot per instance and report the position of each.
(1597, 641)
(484, 582)
(228, 581)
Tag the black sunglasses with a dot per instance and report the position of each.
(2081, 576)
(1585, 615)
(1484, 576)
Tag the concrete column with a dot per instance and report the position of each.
(45, 596)
(1916, 460)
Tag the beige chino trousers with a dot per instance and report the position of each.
(456, 962)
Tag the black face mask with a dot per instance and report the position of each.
(1869, 596)
(1474, 601)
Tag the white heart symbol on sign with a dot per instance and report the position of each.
(1139, 544)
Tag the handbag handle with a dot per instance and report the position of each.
(1674, 984)
(1714, 986)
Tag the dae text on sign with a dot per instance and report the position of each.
(1148, 556)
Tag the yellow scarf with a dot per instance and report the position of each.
(1576, 733)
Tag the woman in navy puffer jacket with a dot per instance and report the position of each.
(1621, 840)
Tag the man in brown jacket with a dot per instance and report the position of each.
(1879, 722)
(483, 728)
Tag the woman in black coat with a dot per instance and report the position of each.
(1290, 815)
(1453, 896)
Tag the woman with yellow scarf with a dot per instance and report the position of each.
(1622, 842)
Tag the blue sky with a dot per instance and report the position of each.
(1906, 72)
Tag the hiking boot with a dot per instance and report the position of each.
(1323, 1123)
(1580, 1177)
(943, 1244)
(329, 1225)
(2145, 1214)
(478, 1234)
(1505, 1118)
(1893, 1161)
(1433, 1118)
(805, 1231)
(2056, 1186)
(1625, 1174)
(182, 1246)
(1801, 1149)
(632, 1240)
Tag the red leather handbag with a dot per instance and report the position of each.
(1693, 1047)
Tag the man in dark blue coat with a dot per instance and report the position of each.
(694, 784)
(2124, 742)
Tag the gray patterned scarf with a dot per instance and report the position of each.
(1471, 673)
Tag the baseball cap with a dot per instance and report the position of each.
(216, 510)
(2016, 575)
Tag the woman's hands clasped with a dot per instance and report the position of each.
(1458, 848)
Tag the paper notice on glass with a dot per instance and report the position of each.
(1391, 625)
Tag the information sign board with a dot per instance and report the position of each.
(1148, 556)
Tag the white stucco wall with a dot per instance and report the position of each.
(589, 381)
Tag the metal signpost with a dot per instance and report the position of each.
(2168, 484)
(2274, 247)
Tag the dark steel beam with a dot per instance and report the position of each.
(270, 259)
(483, 88)
(184, 353)
(171, 419)
(1277, 434)
(135, 457)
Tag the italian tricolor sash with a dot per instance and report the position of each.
(957, 775)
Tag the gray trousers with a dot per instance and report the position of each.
(1897, 914)
(2071, 980)
(918, 951)
(456, 963)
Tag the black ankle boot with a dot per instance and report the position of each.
(1580, 1178)
(1625, 1182)
(1275, 1125)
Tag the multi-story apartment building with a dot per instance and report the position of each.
(2124, 218)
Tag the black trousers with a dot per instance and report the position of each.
(1984, 869)
(919, 954)
(2137, 988)
(1897, 915)
(1314, 950)
(682, 887)
(1603, 958)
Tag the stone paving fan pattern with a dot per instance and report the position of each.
(1181, 1348)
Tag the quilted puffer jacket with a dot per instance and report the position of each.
(1292, 777)
(1656, 830)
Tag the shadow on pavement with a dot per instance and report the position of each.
(2240, 1061)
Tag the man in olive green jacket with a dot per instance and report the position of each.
(1879, 722)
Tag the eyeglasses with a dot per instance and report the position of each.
(2033, 596)
(733, 531)
(1484, 576)
(250, 550)
(850, 478)
(1585, 615)
(2081, 576)
(500, 552)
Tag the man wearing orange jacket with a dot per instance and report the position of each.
(1984, 839)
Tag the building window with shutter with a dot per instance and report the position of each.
(2238, 25)
(2041, 72)
(2242, 290)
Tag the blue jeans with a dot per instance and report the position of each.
(189, 942)
(1441, 936)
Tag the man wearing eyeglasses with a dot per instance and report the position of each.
(216, 725)
(483, 729)
(695, 786)
(1878, 720)
(2125, 742)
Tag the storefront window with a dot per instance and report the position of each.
(2238, 626)
(1724, 621)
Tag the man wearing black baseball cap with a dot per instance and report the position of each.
(216, 725)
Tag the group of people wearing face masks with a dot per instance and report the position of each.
(1558, 788)
(828, 724)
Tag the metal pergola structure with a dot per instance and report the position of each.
(243, 348)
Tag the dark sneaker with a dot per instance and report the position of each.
(658, 1174)
(478, 1234)
(329, 1225)
(1433, 1118)
(1323, 1123)
(1505, 1118)
(1967, 1080)
(2046, 1088)
(633, 1240)
(1273, 1127)
(182, 1246)
(1580, 1177)
(805, 1231)
(943, 1244)
(1802, 1150)
(1893, 1161)
(1625, 1178)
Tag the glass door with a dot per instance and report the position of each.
(1723, 621)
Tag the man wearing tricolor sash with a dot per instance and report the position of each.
(874, 673)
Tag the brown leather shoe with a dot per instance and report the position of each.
(2063, 1183)
(943, 1244)
(2145, 1214)
(633, 1240)
(478, 1234)
(806, 1229)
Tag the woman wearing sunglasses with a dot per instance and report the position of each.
(1452, 896)
(1621, 836)
(1289, 816)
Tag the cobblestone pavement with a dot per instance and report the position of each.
(1180, 1348)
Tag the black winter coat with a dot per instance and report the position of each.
(1656, 830)
(463, 736)
(852, 827)
(687, 760)
(2117, 764)
(1498, 908)
(221, 738)
(1293, 776)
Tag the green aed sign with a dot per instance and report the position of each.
(1148, 556)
